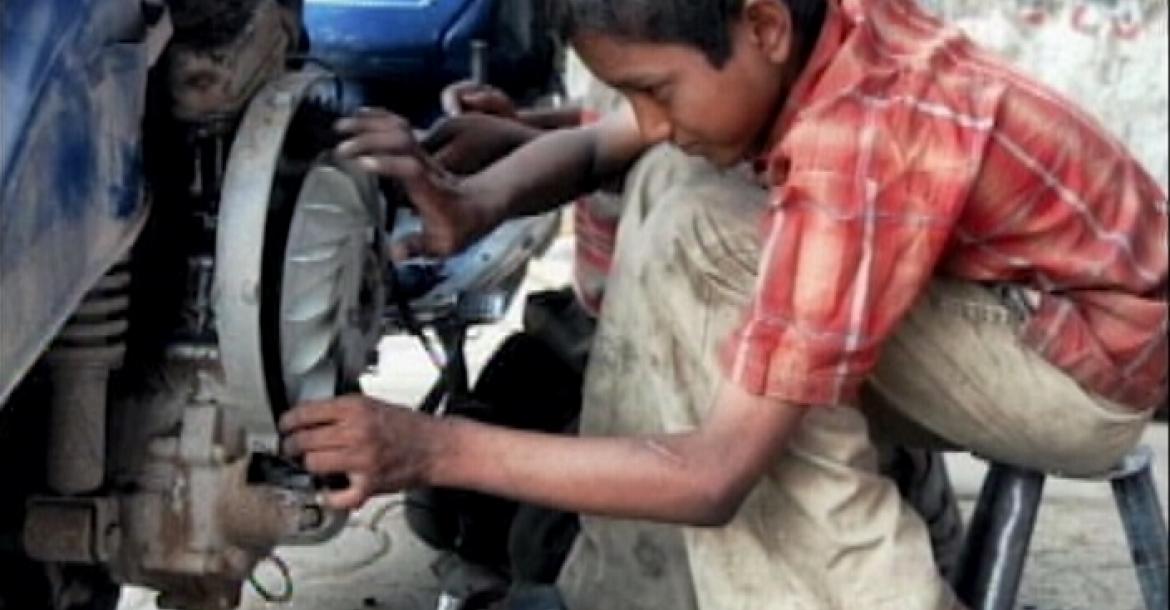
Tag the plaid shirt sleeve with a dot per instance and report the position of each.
(865, 203)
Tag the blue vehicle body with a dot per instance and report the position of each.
(72, 86)
(397, 38)
(73, 79)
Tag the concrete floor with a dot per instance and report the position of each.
(1079, 559)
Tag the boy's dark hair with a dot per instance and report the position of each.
(703, 24)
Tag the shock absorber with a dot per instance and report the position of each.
(91, 345)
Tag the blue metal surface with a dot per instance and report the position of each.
(72, 83)
(388, 38)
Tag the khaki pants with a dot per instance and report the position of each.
(822, 529)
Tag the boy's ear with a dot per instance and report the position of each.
(769, 23)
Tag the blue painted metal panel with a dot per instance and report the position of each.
(388, 38)
(456, 48)
(72, 85)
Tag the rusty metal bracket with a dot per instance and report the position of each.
(72, 530)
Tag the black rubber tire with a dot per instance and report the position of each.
(516, 389)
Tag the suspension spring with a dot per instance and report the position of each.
(92, 344)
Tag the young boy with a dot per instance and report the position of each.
(923, 219)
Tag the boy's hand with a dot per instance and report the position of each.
(384, 144)
(381, 448)
(468, 143)
(467, 96)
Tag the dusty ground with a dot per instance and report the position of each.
(1079, 560)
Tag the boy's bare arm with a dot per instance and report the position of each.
(559, 166)
(699, 477)
(541, 175)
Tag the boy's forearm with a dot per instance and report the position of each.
(636, 478)
(552, 118)
(556, 168)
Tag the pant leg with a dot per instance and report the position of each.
(823, 529)
(956, 368)
(616, 564)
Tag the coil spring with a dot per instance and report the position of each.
(98, 327)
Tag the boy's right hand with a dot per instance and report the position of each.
(384, 144)
(468, 96)
(468, 143)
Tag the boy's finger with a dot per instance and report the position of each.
(403, 167)
(328, 462)
(443, 132)
(380, 142)
(308, 416)
(372, 121)
(446, 156)
(451, 98)
(309, 440)
(353, 497)
(371, 111)
(480, 100)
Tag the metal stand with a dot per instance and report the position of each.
(992, 562)
(996, 548)
(1141, 515)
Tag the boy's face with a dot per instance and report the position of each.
(723, 114)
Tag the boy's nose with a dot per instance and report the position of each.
(652, 119)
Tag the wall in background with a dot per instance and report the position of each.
(1109, 55)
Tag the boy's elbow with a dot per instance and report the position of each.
(720, 499)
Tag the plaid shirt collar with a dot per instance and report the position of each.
(840, 20)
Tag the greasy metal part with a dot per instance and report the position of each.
(220, 57)
(992, 562)
(77, 433)
(453, 383)
(1145, 529)
(491, 266)
(243, 218)
(193, 351)
(72, 530)
(201, 520)
(198, 314)
(258, 517)
(87, 349)
(479, 61)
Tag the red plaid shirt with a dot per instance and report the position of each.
(905, 151)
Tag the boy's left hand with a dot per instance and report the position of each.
(381, 448)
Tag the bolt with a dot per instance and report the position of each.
(311, 518)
